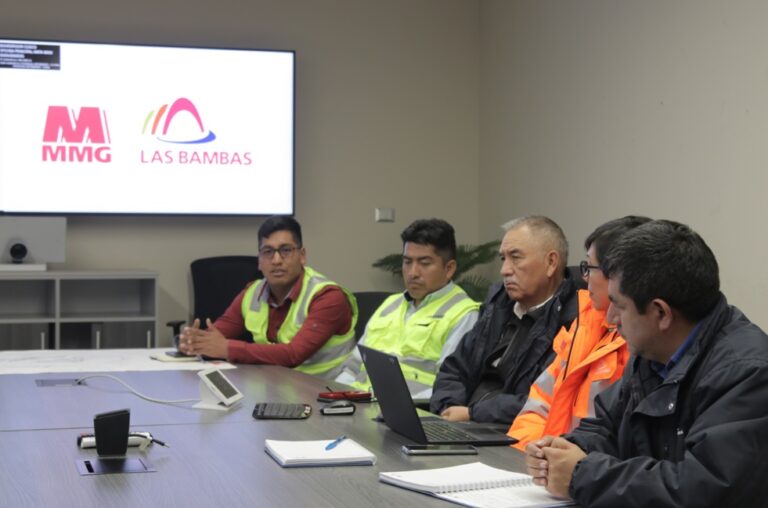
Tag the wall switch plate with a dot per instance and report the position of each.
(385, 214)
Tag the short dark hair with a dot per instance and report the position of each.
(667, 260)
(280, 223)
(606, 234)
(546, 229)
(435, 232)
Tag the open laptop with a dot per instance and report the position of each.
(400, 414)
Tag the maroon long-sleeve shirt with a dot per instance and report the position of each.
(329, 314)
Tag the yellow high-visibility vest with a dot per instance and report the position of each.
(418, 341)
(326, 362)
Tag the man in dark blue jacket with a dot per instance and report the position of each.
(688, 423)
(488, 376)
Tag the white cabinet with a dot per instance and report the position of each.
(77, 310)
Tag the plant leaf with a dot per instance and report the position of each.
(467, 258)
(392, 263)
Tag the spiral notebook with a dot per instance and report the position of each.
(476, 485)
(315, 453)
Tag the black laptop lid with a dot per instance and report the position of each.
(400, 414)
(391, 391)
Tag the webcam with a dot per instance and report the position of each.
(18, 252)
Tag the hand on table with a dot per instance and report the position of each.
(562, 456)
(535, 461)
(210, 342)
(456, 414)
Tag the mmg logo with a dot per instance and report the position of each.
(76, 138)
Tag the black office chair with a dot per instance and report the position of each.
(367, 303)
(216, 281)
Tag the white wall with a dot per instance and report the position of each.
(595, 109)
(387, 115)
(471, 111)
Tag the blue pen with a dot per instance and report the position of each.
(335, 442)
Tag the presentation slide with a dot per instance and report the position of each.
(120, 129)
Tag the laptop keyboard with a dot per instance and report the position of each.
(281, 410)
(441, 431)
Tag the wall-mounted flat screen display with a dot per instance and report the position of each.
(89, 128)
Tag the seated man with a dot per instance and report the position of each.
(591, 355)
(488, 377)
(424, 324)
(686, 425)
(297, 317)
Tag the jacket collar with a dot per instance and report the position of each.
(663, 400)
(498, 295)
(705, 333)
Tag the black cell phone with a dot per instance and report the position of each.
(432, 449)
(178, 354)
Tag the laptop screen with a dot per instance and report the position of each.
(391, 390)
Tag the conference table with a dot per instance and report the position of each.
(214, 458)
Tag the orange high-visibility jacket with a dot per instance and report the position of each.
(591, 355)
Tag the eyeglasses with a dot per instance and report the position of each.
(285, 252)
(585, 268)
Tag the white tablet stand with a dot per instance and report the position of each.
(217, 393)
(210, 401)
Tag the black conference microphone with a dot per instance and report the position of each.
(111, 432)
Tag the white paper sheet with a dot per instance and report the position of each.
(94, 360)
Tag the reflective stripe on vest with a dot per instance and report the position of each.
(535, 404)
(595, 388)
(328, 359)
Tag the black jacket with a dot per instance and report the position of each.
(698, 438)
(462, 372)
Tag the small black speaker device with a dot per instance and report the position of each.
(111, 432)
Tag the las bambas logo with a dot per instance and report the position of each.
(181, 124)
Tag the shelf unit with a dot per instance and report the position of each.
(77, 310)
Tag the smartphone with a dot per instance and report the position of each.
(179, 354)
(432, 449)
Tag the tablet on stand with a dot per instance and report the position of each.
(216, 391)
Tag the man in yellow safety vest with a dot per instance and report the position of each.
(295, 316)
(422, 325)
